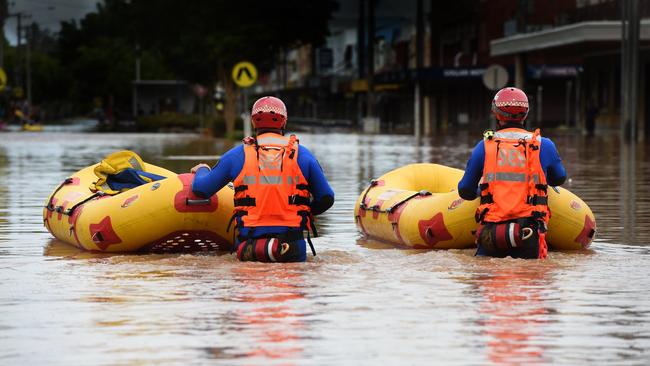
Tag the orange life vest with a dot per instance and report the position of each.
(271, 189)
(514, 184)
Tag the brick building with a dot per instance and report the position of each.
(563, 53)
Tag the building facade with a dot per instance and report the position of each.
(564, 53)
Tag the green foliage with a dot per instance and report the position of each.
(49, 77)
(193, 40)
(193, 37)
(207, 33)
(105, 68)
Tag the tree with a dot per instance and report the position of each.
(99, 55)
(197, 40)
(203, 39)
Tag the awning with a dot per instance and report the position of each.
(572, 34)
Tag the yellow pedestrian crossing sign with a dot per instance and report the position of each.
(3, 79)
(244, 74)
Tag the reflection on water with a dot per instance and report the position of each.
(514, 312)
(271, 316)
(628, 178)
(358, 302)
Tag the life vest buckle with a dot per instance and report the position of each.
(298, 200)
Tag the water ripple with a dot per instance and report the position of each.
(358, 302)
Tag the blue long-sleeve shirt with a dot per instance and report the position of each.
(207, 182)
(548, 156)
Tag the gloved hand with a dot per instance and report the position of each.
(198, 166)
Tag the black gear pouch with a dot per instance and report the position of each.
(270, 249)
(517, 238)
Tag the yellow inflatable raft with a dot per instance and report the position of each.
(162, 216)
(33, 127)
(418, 206)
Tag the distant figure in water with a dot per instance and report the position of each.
(279, 188)
(514, 168)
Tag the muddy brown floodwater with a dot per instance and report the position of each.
(358, 302)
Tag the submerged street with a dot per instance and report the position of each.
(357, 302)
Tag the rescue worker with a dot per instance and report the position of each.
(279, 188)
(514, 168)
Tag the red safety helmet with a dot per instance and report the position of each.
(510, 104)
(269, 112)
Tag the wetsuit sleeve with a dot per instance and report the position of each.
(552, 163)
(208, 182)
(319, 188)
(468, 185)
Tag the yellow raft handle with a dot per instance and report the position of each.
(421, 193)
(362, 204)
(190, 202)
(50, 206)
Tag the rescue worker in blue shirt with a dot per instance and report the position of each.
(499, 196)
(279, 188)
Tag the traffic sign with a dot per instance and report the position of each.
(244, 74)
(3, 79)
(495, 77)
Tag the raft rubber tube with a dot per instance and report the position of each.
(161, 217)
(32, 127)
(418, 206)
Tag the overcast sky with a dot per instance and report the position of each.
(47, 13)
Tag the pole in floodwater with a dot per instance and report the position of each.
(630, 27)
(419, 63)
(370, 103)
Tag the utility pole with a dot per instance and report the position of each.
(29, 39)
(137, 80)
(361, 58)
(361, 40)
(18, 80)
(370, 107)
(4, 14)
(419, 63)
(17, 70)
(435, 59)
(630, 26)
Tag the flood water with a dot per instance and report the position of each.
(359, 302)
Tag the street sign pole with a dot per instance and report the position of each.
(244, 74)
(246, 115)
